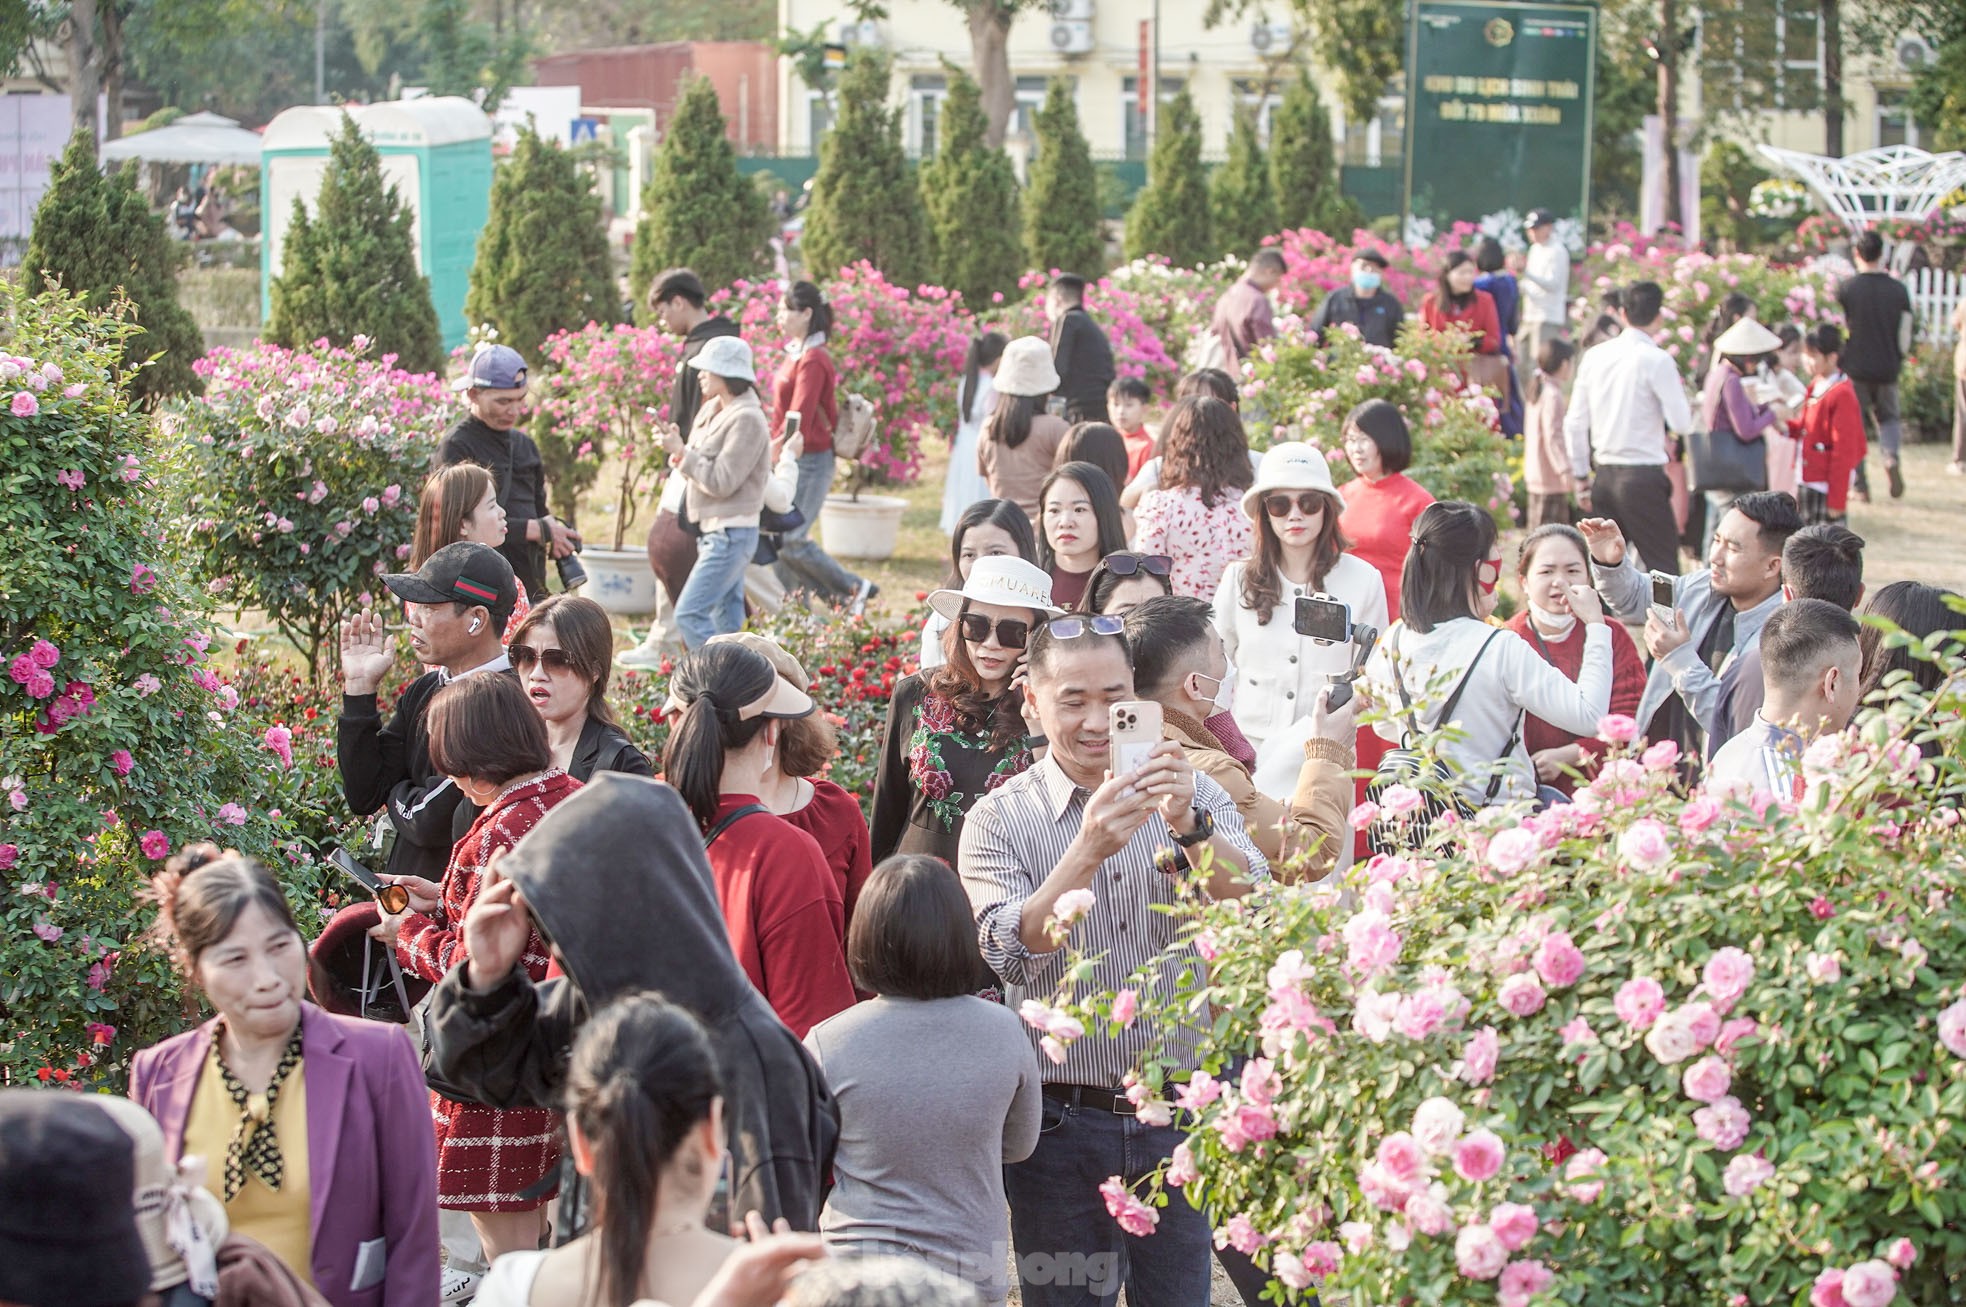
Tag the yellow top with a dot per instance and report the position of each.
(282, 1221)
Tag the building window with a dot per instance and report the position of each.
(1895, 125)
(1380, 142)
(1762, 54)
(1136, 126)
(1251, 95)
(926, 91)
(819, 119)
(1029, 98)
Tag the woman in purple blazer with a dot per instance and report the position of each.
(315, 1129)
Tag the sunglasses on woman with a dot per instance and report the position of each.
(1130, 564)
(1071, 628)
(553, 660)
(1012, 633)
(1310, 503)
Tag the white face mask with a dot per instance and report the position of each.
(1558, 624)
(1225, 688)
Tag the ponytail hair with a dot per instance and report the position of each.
(984, 351)
(642, 1077)
(712, 685)
(804, 295)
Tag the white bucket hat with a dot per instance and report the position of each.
(1026, 368)
(726, 356)
(1004, 580)
(1746, 339)
(1293, 465)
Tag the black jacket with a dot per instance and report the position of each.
(389, 763)
(513, 460)
(1377, 317)
(617, 881)
(1083, 357)
(603, 748)
(686, 391)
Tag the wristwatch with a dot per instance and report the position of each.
(1203, 832)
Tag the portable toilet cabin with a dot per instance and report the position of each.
(436, 152)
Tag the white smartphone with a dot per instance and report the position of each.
(1136, 729)
(1664, 588)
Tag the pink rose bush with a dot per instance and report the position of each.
(1612, 1061)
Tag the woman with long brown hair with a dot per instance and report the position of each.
(1195, 515)
(460, 502)
(1020, 439)
(561, 653)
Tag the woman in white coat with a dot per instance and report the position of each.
(964, 484)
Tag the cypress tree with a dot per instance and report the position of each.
(542, 264)
(865, 203)
(1171, 215)
(970, 192)
(1244, 202)
(698, 210)
(97, 236)
(1304, 164)
(1061, 208)
(350, 270)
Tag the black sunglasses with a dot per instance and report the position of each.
(1310, 503)
(1129, 564)
(1012, 633)
(1071, 628)
(554, 660)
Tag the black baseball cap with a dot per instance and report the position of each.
(1538, 218)
(1370, 256)
(463, 573)
(68, 1217)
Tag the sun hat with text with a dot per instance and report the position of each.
(1006, 581)
(464, 573)
(726, 356)
(1026, 368)
(1292, 465)
(493, 367)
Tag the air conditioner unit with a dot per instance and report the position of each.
(1072, 36)
(1071, 10)
(867, 32)
(1270, 38)
(1914, 52)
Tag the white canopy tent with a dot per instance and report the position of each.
(205, 138)
(1895, 181)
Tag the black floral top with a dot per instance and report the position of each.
(932, 773)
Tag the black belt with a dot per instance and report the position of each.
(1099, 1100)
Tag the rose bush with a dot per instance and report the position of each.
(117, 737)
(295, 479)
(1569, 1069)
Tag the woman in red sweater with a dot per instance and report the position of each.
(807, 384)
(1454, 302)
(782, 906)
(1831, 430)
(1555, 557)
(1381, 502)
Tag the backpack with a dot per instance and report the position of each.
(855, 431)
(1434, 778)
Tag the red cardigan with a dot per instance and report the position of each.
(1480, 317)
(1831, 430)
(1567, 656)
(837, 825)
(805, 385)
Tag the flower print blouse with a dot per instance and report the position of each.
(932, 772)
(1201, 541)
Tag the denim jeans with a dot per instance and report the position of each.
(712, 601)
(802, 564)
(1070, 1251)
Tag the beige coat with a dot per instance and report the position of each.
(727, 463)
(1301, 839)
(1017, 474)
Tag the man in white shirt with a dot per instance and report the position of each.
(1809, 666)
(1626, 399)
(1545, 282)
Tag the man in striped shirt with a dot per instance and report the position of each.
(1068, 825)
(1809, 664)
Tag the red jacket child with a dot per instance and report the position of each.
(1831, 430)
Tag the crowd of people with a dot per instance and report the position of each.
(653, 1014)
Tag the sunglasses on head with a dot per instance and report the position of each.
(1129, 564)
(553, 660)
(1071, 628)
(1310, 503)
(1012, 632)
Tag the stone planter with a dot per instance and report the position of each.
(619, 580)
(866, 527)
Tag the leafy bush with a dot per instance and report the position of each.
(1061, 205)
(866, 206)
(1647, 1048)
(1171, 217)
(297, 478)
(697, 209)
(1927, 391)
(1304, 164)
(591, 405)
(116, 741)
(970, 192)
(1241, 197)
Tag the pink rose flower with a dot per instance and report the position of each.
(1901, 1253)
(281, 741)
(1671, 1038)
(1616, 728)
(69, 478)
(1558, 961)
(155, 845)
(1521, 994)
(232, 814)
(1429, 1212)
(1733, 1032)
(1403, 1159)
(142, 579)
(1869, 1284)
(1702, 1022)
(1401, 799)
(1437, 1123)
(1724, 1123)
(1515, 1224)
(1240, 1234)
(1702, 811)
(1478, 1253)
(1644, 846)
(1639, 1002)
(43, 654)
(1363, 815)
(25, 405)
(1827, 1291)
(1419, 1015)
(1479, 1058)
(47, 931)
(1134, 1216)
(1952, 1028)
(1662, 756)
(1478, 1156)
(1745, 1174)
(1072, 905)
(1728, 974)
(1126, 1006)
(1521, 1281)
(1582, 1171)
(1374, 945)
(9, 855)
(1707, 1080)
(122, 762)
(1577, 1031)
(1181, 1168)
(1510, 851)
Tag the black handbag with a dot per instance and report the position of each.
(1721, 461)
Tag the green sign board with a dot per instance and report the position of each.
(1498, 108)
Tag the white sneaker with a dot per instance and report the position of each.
(866, 591)
(459, 1287)
(643, 657)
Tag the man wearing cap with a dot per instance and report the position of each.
(456, 606)
(495, 389)
(1364, 304)
(1545, 290)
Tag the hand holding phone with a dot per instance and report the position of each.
(1665, 594)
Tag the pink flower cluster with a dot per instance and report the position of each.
(1872, 1283)
(31, 669)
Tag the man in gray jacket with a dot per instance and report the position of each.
(1717, 612)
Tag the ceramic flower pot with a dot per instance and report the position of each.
(866, 527)
(619, 580)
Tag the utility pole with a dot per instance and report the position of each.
(1832, 25)
(320, 51)
(1668, 107)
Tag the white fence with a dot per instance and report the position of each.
(1934, 295)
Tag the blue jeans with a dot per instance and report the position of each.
(1070, 1251)
(712, 601)
(802, 564)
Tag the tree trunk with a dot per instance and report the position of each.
(989, 43)
(84, 72)
(1832, 79)
(1668, 107)
(111, 54)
